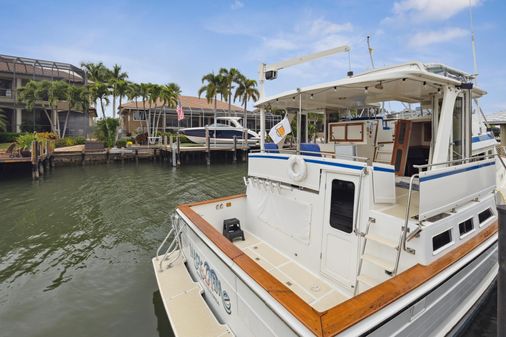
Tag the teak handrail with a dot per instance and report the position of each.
(346, 314)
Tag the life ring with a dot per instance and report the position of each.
(296, 168)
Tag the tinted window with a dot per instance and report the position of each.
(485, 215)
(466, 226)
(441, 240)
(341, 205)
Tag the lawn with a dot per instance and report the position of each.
(4, 146)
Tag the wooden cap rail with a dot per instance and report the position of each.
(346, 314)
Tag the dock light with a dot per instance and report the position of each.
(365, 90)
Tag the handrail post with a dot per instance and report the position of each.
(402, 241)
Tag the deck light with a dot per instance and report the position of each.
(293, 98)
(311, 96)
(365, 90)
(424, 84)
(335, 89)
(379, 86)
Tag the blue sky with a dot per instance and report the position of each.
(179, 41)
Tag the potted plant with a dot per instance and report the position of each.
(24, 142)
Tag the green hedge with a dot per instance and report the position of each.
(8, 137)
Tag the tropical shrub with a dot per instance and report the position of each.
(121, 143)
(25, 140)
(141, 139)
(70, 141)
(8, 137)
(105, 131)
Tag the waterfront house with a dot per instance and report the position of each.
(198, 112)
(16, 71)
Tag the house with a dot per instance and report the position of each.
(16, 71)
(197, 112)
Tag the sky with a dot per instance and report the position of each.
(180, 41)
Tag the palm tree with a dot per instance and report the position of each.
(97, 72)
(46, 93)
(100, 91)
(153, 95)
(229, 76)
(115, 77)
(245, 91)
(144, 94)
(211, 86)
(169, 95)
(77, 97)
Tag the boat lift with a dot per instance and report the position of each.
(270, 72)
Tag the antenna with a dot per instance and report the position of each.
(473, 42)
(371, 50)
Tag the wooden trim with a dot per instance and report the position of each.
(346, 139)
(293, 303)
(344, 315)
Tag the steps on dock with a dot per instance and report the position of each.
(187, 310)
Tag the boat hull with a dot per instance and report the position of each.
(223, 135)
(432, 309)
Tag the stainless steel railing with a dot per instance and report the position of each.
(176, 230)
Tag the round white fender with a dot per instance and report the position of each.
(296, 168)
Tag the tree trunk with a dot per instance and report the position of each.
(114, 102)
(66, 121)
(53, 129)
(120, 123)
(214, 132)
(230, 100)
(105, 121)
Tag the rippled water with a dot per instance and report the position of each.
(76, 247)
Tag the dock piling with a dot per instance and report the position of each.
(178, 150)
(235, 149)
(208, 148)
(501, 279)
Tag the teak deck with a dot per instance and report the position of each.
(348, 313)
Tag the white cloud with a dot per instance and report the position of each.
(420, 10)
(237, 4)
(423, 39)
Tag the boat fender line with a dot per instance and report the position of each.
(296, 168)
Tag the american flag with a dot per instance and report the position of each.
(180, 112)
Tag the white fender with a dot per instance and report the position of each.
(296, 168)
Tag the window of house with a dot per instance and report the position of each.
(466, 227)
(139, 115)
(342, 204)
(485, 215)
(441, 240)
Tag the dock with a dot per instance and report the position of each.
(41, 159)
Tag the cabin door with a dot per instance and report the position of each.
(339, 242)
(401, 146)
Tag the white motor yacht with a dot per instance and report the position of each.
(222, 132)
(389, 228)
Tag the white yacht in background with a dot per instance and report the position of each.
(389, 228)
(222, 132)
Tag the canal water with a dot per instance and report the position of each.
(76, 247)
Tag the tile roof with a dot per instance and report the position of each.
(188, 102)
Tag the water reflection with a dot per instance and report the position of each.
(163, 324)
(86, 236)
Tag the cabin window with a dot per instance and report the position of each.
(441, 240)
(466, 227)
(341, 205)
(485, 215)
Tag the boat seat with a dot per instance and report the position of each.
(232, 229)
(310, 149)
(271, 148)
